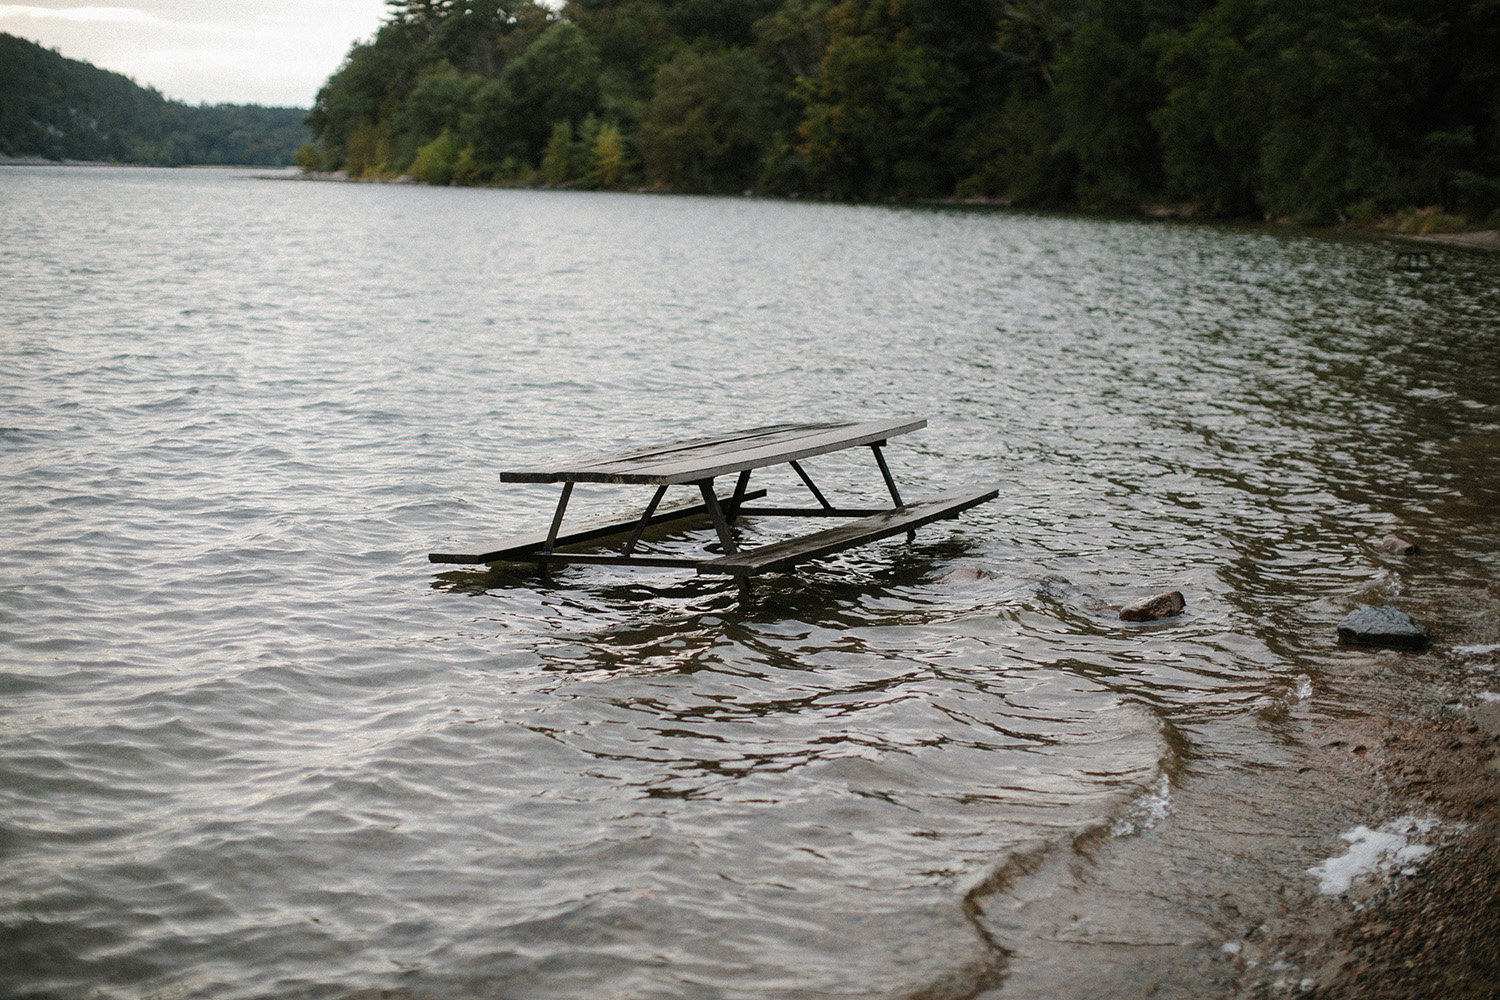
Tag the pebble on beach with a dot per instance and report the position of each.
(1396, 545)
(1149, 609)
(1384, 626)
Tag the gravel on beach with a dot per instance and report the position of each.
(1436, 933)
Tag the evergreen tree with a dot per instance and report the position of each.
(1315, 110)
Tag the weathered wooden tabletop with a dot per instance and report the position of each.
(699, 459)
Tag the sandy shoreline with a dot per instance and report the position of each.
(1437, 933)
(1430, 741)
(1220, 900)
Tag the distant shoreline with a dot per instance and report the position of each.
(1482, 239)
(37, 161)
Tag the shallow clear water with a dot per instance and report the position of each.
(253, 744)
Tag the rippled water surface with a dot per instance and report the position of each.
(253, 744)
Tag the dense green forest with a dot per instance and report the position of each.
(63, 109)
(1313, 110)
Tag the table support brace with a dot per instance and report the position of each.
(640, 528)
(885, 471)
(811, 486)
(890, 482)
(740, 486)
(557, 520)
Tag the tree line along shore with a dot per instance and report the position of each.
(1366, 112)
(57, 109)
(1315, 111)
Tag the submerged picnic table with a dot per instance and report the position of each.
(698, 462)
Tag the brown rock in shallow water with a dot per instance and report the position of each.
(963, 574)
(1151, 608)
(1396, 545)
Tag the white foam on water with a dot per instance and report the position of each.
(1372, 851)
(1147, 811)
(1304, 687)
(1476, 650)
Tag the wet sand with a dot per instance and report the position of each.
(1436, 934)
(1218, 901)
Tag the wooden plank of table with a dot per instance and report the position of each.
(660, 449)
(780, 555)
(706, 458)
(525, 548)
(774, 450)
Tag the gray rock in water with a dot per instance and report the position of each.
(1396, 545)
(1368, 626)
(1150, 609)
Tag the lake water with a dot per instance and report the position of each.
(253, 744)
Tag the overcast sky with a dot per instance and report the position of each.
(274, 52)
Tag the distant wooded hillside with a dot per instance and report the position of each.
(1316, 110)
(63, 109)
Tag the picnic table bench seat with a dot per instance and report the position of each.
(782, 555)
(524, 548)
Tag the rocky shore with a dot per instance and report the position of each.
(1435, 934)
(1438, 933)
(1222, 898)
(1428, 730)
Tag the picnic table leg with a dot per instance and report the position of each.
(885, 471)
(890, 482)
(557, 519)
(640, 527)
(739, 496)
(715, 511)
(721, 523)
